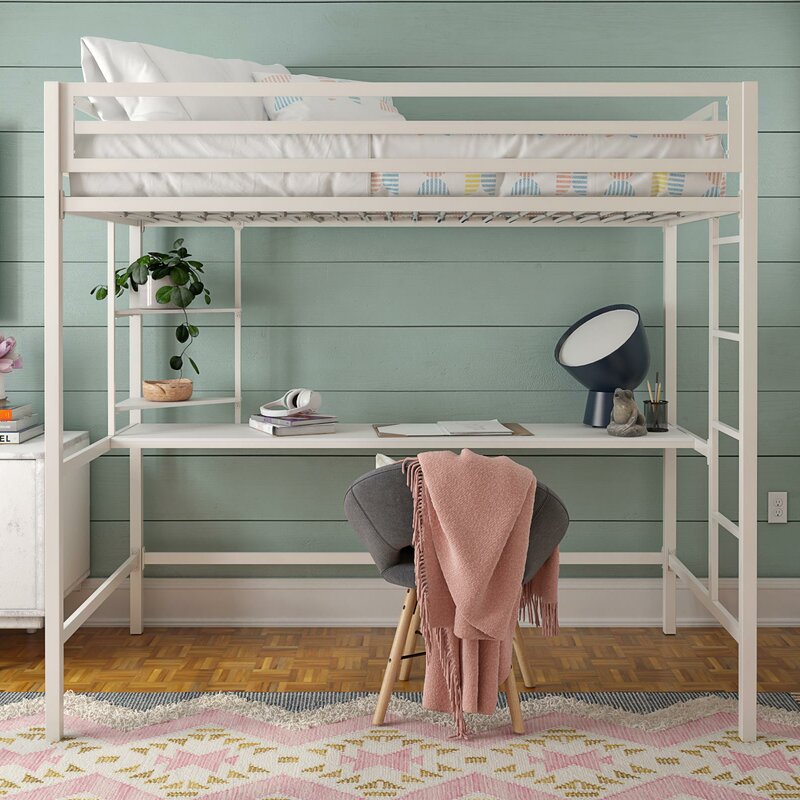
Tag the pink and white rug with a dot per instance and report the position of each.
(231, 747)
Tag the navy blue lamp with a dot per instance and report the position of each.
(605, 350)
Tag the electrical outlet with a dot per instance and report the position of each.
(777, 507)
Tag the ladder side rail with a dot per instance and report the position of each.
(713, 409)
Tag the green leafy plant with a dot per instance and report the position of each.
(185, 286)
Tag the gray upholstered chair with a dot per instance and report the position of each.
(379, 507)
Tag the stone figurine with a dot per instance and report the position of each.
(626, 419)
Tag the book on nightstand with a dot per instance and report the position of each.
(18, 437)
(9, 413)
(17, 425)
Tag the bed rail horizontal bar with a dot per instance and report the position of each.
(99, 596)
(732, 336)
(725, 523)
(611, 558)
(89, 453)
(255, 558)
(728, 430)
(410, 127)
(404, 89)
(317, 165)
(409, 205)
(714, 607)
(726, 240)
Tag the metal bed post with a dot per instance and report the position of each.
(53, 414)
(136, 534)
(748, 413)
(237, 321)
(669, 513)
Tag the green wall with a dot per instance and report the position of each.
(423, 325)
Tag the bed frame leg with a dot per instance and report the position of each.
(669, 512)
(136, 579)
(53, 415)
(136, 475)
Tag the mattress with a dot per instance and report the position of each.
(393, 184)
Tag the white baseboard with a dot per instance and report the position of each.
(370, 602)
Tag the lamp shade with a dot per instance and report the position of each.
(605, 350)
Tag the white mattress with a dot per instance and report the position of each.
(506, 184)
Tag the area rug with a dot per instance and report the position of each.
(322, 746)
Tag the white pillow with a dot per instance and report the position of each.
(324, 108)
(112, 61)
(382, 460)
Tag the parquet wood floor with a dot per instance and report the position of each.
(352, 659)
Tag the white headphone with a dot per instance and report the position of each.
(295, 401)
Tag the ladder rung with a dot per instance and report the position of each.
(726, 429)
(726, 240)
(729, 526)
(730, 335)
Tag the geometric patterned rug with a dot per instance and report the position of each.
(322, 746)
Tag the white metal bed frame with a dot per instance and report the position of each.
(666, 213)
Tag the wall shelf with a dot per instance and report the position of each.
(147, 312)
(139, 403)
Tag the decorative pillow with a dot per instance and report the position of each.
(112, 61)
(324, 108)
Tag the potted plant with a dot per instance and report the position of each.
(180, 284)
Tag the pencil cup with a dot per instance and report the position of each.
(655, 416)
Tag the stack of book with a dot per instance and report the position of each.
(294, 425)
(18, 424)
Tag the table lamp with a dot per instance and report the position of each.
(605, 350)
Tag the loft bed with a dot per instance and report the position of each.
(130, 173)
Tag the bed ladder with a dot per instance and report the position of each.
(744, 626)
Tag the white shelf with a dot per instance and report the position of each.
(145, 312)
(363, 437)
(137, 403)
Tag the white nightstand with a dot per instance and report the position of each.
(22, 529)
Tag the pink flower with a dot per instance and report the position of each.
(9, 360)
(7, 345)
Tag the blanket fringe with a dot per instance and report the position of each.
(539, 600)
(534, 609)
(438, 643)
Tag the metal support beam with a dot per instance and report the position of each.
(748, 414)
(136, 534)
(669, 512)
(53, 415)
(237, 322)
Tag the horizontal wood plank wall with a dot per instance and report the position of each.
(391, 324)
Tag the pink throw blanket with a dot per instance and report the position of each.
(472, 517)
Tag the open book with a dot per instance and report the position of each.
(481, 427)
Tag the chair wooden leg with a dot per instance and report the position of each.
(393, 665)
(519, 652)
(410, 647)
(514, 708)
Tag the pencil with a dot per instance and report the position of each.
(650, 392)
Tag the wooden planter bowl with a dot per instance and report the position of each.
(173, 390)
